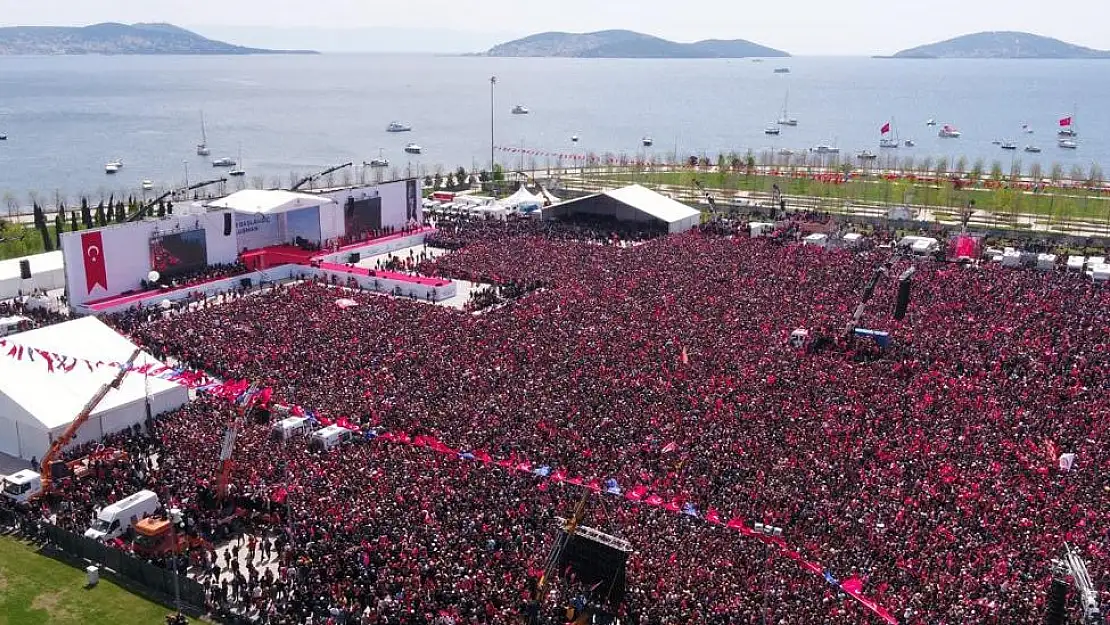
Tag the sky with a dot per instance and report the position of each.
(801, 27)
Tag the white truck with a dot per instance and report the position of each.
(22, 485)
(117, 518)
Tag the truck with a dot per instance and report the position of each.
(22, 486)
(115, 519)
(154, 537)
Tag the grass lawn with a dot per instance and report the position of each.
(37, 590)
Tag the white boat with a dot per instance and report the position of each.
(782, 70)
(888, 143)
(148, 185)
(397, 127)
(1008, 145)
(786, 152)
(824, 148)
(1032, 149)
(771, 129)
(1068, 144)
(238, 171)
(867, 155)
(948, 132)
(574, 139)
(412, 148)
(909, 143)
(785, 119)
(1067, 132)
(202, 147)
(1027, 129)
(226, 161)
(113, 166)
(647, 141)
(381, 161)
(520, 109)
(931, 122)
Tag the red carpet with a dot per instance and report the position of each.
(275, 256)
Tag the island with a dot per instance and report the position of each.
(1002, 45)
(626, 44)
(112, 38)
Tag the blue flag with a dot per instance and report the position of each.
(830, 579)
(612, 487)
(689, 509)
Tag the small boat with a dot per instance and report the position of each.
(996, 142)
(226, 161)
(782, 70)
(786, 152)
(888, 143)
(238, 171)
(1032, 149)
(931, 122)
(909, 143)
(520, 109)
(574, 139)
(867, 155)
(647, 141)
(948, 132)
(1068, 144)
(786, 120)
(148, 185)
(412, 148)
(1027, 129)
(1008, 145)
(823, 148)
(771, 130)
(381, 161)
(202, 147)
(397, 127)
(113, 166)
(1067, 132)
(3, 137)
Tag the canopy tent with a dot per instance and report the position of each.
(49, 374)
(522, 197)
(265, 218)
(268, 202)
(631, 203)
(47, 274)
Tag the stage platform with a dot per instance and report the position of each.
(267, 257)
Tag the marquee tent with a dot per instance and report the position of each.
(273, 202)
(631, 203)
(47, 274)
(41, 392)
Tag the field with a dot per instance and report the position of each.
(36, 590)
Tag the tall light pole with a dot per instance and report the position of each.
(492, 86)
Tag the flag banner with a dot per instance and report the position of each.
(96, 272)
(1065, 121)
(885, 129)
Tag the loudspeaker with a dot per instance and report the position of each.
(227, 224)
(596, 565)
(903, 300)
(1054, 607)
(245, 282)
(25, 269)
(58, 470)
(354, 257)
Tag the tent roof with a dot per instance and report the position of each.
(268, 202)
(53, 399)
(40, 263)
(522, 196)
(655, 204)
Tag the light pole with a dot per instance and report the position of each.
(175, 518)
(770, 531)
(492, 87)
(186, 164)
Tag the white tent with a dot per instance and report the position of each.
(631, 203)
(520, 198)
(262, 202)
(37, 405)
(47, 274)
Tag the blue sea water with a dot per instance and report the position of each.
(67, 116)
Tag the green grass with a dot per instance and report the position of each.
(36, 590)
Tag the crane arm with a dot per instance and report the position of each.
(307, 179)
(62, 441)
(145, 210)
(244, 403)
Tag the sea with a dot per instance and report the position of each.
(66, 117)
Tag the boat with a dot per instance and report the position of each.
(771, 129)
(891, 141)
(948, 132)
(113, 166)
(412, 148)
(786, 120)
(574, 139)
(996, 142)
(397, 127)
(909, 143)
(1067, 132)
(1032, 149)
(3, 137)
(238, 171)
(1068, 144)
(148, 185)
(931, 122)
(867, 155)
(888, 143)
(782, 70)
(1067, 126)
(1027, 129)
(381, 161)
(647, 141)
(226, 161)
(786, 152)
(202, 147)
(1008, 145)
(520, 109)
(824, 148)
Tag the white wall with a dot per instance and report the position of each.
(46, 274)
(127, 252)
(395, 205)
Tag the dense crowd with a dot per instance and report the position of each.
(184, 278)
(929, 470)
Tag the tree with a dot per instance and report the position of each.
(460, 176)
(437, 180)
(86, 214)
(1015, 170)
(1077, 174)
(169, 208)
(73, 221)
(161, 209)
(942, 167)
(976, 170)
(59, 228)
(451, 180)
(101, 220)
(1035, 172)
(1056, 173)
(961, 165)
(121, 213)
(996, 170)
(427, 181)
(1094, 178)
(11, 203)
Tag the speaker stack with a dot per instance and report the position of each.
(227, 224)
(1054, 608)
(25, 269)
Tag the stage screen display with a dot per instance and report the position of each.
(176, 253)
(362, 216)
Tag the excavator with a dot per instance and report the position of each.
(24, 481)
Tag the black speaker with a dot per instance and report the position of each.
(25, 269)
(227, 224)
(354, 257)
(58, 470)
(1054, 608)
(245, 283)
(903, 300)
(595, 564)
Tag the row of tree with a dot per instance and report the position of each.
(87, 217)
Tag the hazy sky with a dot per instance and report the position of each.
(830, 27)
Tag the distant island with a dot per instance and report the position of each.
(1002, 45)
(111, 38)
(625, 44)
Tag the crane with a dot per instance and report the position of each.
(569, 529)
(307, 179)
(145, 210)
(62, 441)
(243, 404)
(708, 198)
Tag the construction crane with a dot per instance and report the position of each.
(561, 542)
(62, 441)
(708, 198)
(307, 179)
(145, 210)
(243, 405)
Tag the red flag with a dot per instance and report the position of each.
(92, 248)
(885, 129)
(685, 357)
(1065, 121)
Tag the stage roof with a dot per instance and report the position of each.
(53, 399)
(268, 202)
(655, 204)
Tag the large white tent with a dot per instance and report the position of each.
(268, 202)
(37, 404)
(47, 274)
(631, 203)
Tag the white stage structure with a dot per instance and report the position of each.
(265, 218)
(37, 404)
(47, 274)
(632, 203)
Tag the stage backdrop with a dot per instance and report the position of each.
(400, 202)
(111, 260)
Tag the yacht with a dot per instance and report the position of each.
(931, 122)
(888, 143)
(647, 141)
(520, 109)
(238, 171)
(1032, 149)
(1068, 144)
(823, 148)
(867, 155)
(226, 161)
(148, 185)
(909, 143)
(412, 148)
(381, 161)
(397, 127)
(1067, 132)
(1008, 145)
(202, 147)
(3, 137)
(771, 130)
(786, 120)
(574, 139)
(113, 166)
(782, 70)
(948, 132)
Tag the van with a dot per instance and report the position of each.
(13, 324)
(22, 485)
(330, 437)
(288, 428)
(119, 517)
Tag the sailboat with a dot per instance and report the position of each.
(238, 170)
(202, 147)
(885, 141)
(786, 120)
(1067, 126)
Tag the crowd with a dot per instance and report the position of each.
(928, 470)
(185, 278)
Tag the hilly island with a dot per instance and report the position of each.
(112, 38)
(626, 44)
(1002, 45)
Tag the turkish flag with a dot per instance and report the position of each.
(1065, 121)
(885, 129)
(96, 272)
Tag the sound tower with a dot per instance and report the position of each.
(903, 301)
(1054, 607)
(227, 224)
(598, 562)
(25, 269)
